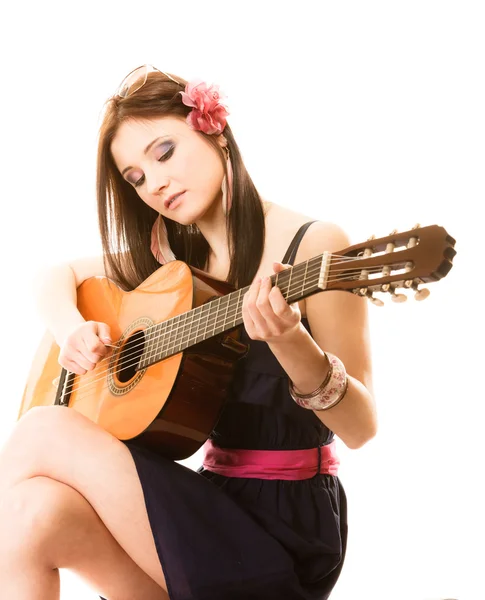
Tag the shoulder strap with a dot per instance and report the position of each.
(295, 242)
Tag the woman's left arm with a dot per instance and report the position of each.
(339, 325)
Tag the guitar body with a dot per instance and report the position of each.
(171, 406)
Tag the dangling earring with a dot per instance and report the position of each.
(227, 185)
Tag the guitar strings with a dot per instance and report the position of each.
(187, 324)
(167, 332)
(181, 326)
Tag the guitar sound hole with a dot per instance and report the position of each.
(130, 356)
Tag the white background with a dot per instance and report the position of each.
(369, 114)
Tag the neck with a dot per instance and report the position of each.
(213, 227)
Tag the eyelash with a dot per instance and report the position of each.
(163, 158)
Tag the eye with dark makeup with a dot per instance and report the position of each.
(163, 158)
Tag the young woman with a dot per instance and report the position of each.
(131, 523)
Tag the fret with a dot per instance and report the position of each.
(204, 319)
(237, 307)
(289, 285)
(167, 329)
(151, 343)
(197, 330)
(169, 345)
(148, 354)
(225, 316)
(220, 326)
(181, 327)
(218, 303)
(304, 278)
(193, 321)
(159, 340)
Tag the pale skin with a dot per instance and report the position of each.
(59, 507)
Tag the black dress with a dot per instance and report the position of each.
(221, 538)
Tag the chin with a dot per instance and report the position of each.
(184, 219)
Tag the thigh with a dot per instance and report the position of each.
(64, 445)
(49, 522)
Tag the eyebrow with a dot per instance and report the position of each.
(147, 149)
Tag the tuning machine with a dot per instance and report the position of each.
(387, 287)
(370, 296)
(420, 294)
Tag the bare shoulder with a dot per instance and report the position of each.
(321, 236)
(282, 221)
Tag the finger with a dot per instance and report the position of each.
(261, 312)
(249, 308)
(278, 267)
(282, 279)
(72, 366)
(83, 361)
(249, 299)
(92, 347)
(104, 332)
(250, 326)
(264, 306)
(280, 306)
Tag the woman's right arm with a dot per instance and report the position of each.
(56, 294)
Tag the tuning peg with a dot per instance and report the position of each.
(372, 237)
(369, 295)
(375, 301)
(387, 287)
(398, 297)
(393, 232)
(421, 294)
(417, 226)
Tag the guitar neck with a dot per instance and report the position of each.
(225, 313)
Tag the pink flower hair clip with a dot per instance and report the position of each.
(209, 113)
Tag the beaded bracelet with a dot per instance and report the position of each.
(330, 392)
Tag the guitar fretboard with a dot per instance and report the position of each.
(225, 313)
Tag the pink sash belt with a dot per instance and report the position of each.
(271, 464)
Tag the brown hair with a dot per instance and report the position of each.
(125, 221)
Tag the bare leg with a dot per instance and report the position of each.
(30, 582)
(24, 572)
(70, 498)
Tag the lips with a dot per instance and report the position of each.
(169, 200)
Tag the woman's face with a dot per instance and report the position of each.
(162, 157)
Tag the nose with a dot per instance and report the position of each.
(156, 181)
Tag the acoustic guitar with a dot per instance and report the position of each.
(164, 383)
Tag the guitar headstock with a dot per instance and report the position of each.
(400, 260)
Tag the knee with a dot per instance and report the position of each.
(42, 414)
(41, 425)
(33, 515)
(40, 422)
(51, 420)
